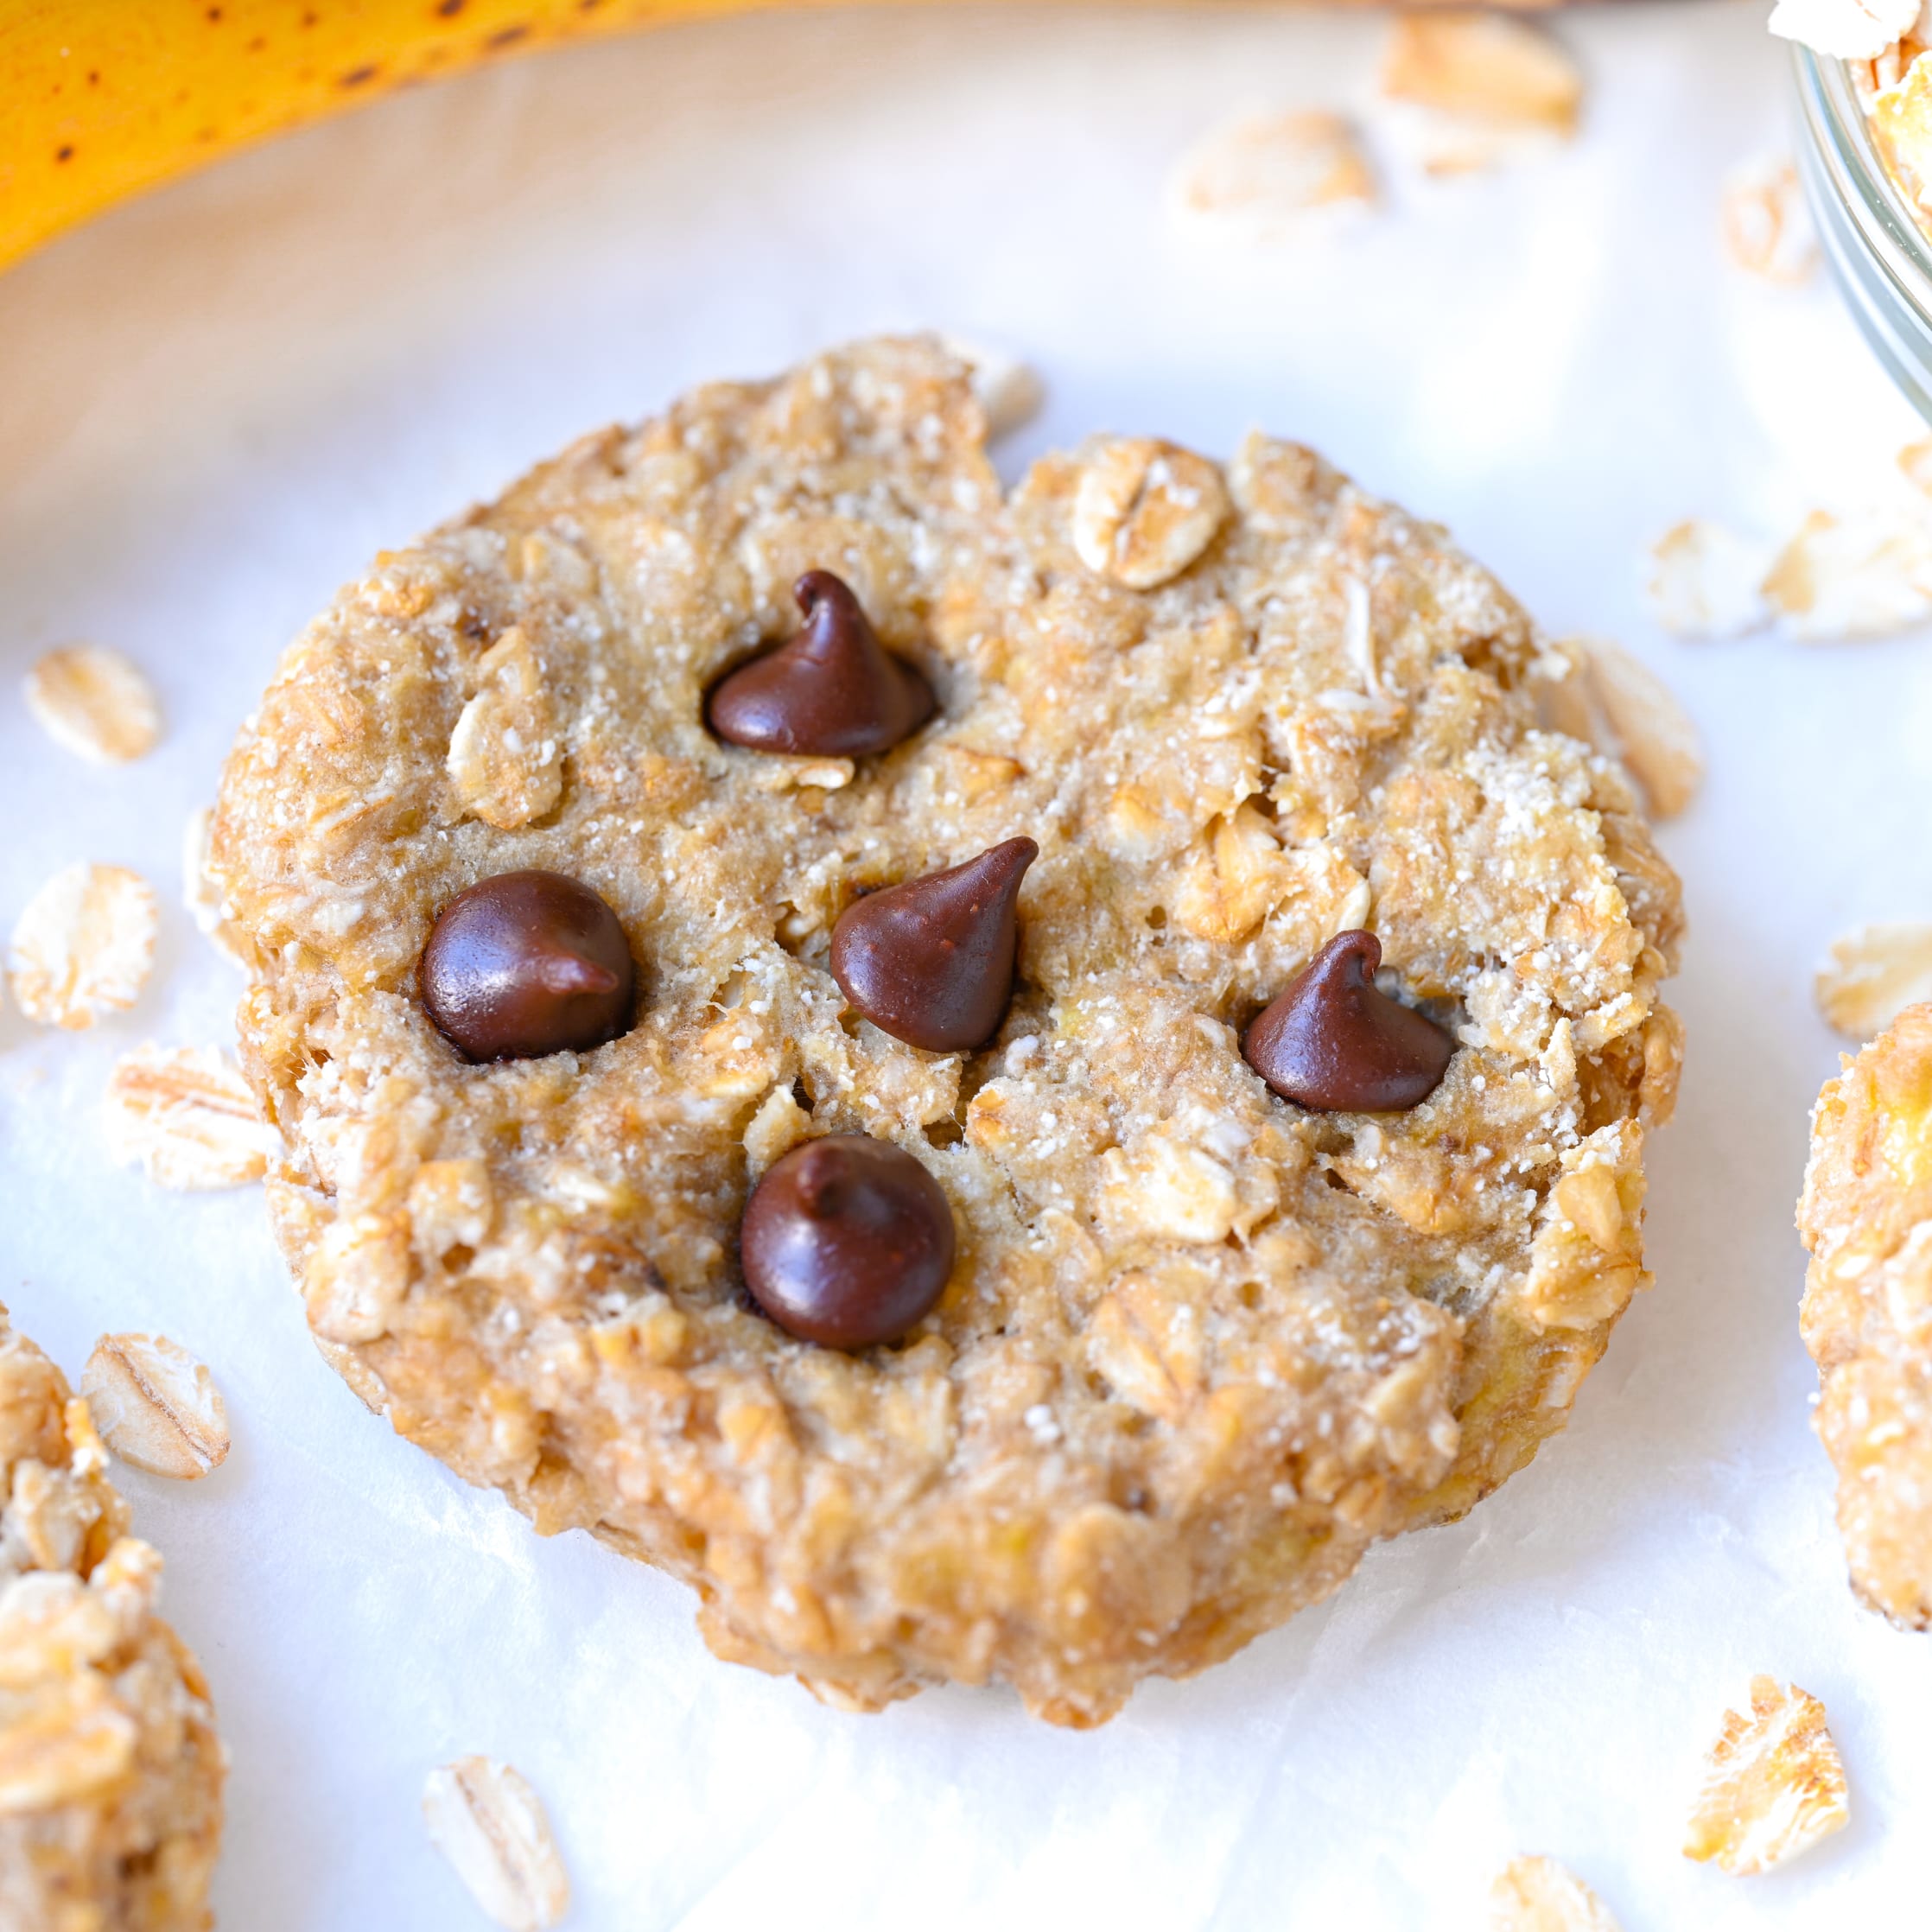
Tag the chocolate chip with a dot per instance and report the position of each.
(1334, 1043)
(833, 690)
(847, 1241)
(931, 960)
(527, 963)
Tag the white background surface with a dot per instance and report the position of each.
(216, 404)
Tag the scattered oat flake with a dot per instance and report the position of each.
(1267, 177)
(1482, 68)
(1875, 973)
(1775, 1785)
(1008, 390)
(1862, 576)
(1915, 465)
(488, 1823)
(1615, 703)
(1708, 581)
(156, 1406)
(83, 947)
(94, 702)
(187, 1116)
(1539, 1895)
(1767, 229)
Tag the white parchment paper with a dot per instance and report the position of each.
(216, 404)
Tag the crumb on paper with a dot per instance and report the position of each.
(1774, 1785)
(492, 1827)
(83, 945)
(186, 1116)
(96, 703)
(1874, 973)
(1707, 582)
(1265, 178)
(1539, 1895)
(1766, 226)
(1842, 578)
(1848, 30)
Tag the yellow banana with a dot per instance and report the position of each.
(104, 97)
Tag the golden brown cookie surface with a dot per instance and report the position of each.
(1200, 1347)
(111, 1773)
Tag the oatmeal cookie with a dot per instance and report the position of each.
(1199, 1345)
(1866, 1217)
(111, 1773)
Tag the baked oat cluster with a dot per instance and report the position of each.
(111, 1773)
(1866, 1217)
(1199, 1346)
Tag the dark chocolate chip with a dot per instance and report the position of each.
(1334, 1043)
(833, 690)
(847, 1241)
(527, 963)
(931, 960)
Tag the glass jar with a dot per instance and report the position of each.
(1879, 257)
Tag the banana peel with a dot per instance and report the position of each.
(106, 97)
